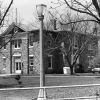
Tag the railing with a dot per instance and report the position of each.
(73, 92)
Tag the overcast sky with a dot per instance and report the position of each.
(26, 8)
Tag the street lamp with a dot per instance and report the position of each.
(40, 11)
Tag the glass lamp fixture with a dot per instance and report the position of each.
(41, 8)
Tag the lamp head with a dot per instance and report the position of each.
(41, 8)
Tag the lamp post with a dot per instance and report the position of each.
(40, 11)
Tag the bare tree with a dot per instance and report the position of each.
(88, 7)
(49, 21)
(75, 29)
(5, 13)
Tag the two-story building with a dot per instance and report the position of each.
(19, 50)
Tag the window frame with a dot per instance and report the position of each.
(75, 42)
(18, 63)
(31, 60)
(17, 43)
(50, 58)
(90, 47)
(31, 40)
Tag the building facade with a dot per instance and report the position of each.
(19, 50)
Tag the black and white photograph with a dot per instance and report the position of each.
(49, 49)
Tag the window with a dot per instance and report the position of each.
(90, 60)
(31, 63)
(4, 46)
(17, 43)
(75, 42)
(31, 40)
(72, 59)
(4, 61)
(18, 63)
(4, 43)
(15, 29)
(90, 47)
(49, 61)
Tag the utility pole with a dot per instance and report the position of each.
(16, 16)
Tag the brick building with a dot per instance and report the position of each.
(19, 50)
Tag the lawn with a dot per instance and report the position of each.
(51, 80)
(61, 80)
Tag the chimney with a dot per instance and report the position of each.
(0, 16)
(55, 28)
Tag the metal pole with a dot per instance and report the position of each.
(42, 93)
(42, 76)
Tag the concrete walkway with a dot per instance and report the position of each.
(14, 98)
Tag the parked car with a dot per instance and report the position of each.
(90, 69)
(96, 69)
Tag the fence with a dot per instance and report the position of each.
(73, 92)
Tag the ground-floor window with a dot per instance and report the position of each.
(50, 62)
(31, 63)
(18, 63)
(90, 60)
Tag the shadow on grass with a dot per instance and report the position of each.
(5, 86)
(10, 86)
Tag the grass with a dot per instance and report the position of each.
(51, 80)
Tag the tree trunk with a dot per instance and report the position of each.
(71, 70)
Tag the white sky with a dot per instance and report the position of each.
(26, 8)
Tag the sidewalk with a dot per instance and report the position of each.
(14, 98)
(17, 95)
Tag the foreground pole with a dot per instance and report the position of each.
(42, 93)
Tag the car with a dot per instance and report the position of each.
(90, 68)
(96, 69)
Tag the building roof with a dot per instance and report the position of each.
(11, 27)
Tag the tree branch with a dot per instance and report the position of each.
(6, 12)
(77, 10)
(86, 8)
(79, 21)
(95, 3)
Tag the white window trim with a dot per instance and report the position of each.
(30, 46)
(17, 55)
(16, 48)
(31, 55)
(4, 57)
(5, 49)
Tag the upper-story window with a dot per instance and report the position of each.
(31, 40)
(90, 47)
(17, 43)
(4, 44)
(75, 42)
(15, 29)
